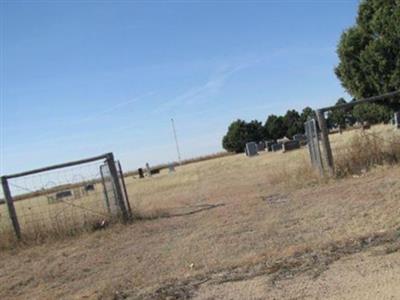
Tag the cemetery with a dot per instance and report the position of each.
(268, 145)
(291, 145)
(219, 203)
(279, 179)
(285, 144)
(277, 147)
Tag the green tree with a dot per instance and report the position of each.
(255, 131)
(372, 113)
(275, 128)
(239, 133)
(307, 114)
(235, 138)
(339, 116)
(292, 123)
(369, 52)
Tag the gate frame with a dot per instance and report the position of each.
(108, 158)
(124, 206)
(320, 114)
(121, 174)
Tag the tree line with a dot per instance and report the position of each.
(369, 65)
(241, 132)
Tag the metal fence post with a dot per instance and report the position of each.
(313, 145)
(327, 151)
(310, 144)
(11, 208)
(121, 173)
(316, 147)
(117, 185)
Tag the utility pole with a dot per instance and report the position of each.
(176, 140)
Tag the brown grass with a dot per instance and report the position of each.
(221, 216)
(40, 221)
(367, 149)
(160, 196)
(259, 222)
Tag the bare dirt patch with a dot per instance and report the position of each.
(310, 262)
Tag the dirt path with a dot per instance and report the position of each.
(365, 275)
(303, 275)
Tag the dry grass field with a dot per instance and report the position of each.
(42, 215)
(265, 227)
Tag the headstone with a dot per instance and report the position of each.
(148, 170)
(155, 171)
(251, 149)
(261, 146)
(89, 187)
(397, 119)
(140, 172)
(268, 145)
(301, 138)
(63, 194)
(283, 140)
(292, 145)
(276, 147)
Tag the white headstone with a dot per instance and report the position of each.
(148, 170)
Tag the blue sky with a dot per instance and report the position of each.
(84, 78)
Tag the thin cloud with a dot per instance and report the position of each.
(211, 87)
(216, 82)
(114, 107)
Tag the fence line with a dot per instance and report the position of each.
(327, 156)
(63, 197)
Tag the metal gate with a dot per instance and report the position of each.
(63, 198)
(115, 193)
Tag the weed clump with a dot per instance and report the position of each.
(366, 150)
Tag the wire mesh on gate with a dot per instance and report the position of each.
(59, 201)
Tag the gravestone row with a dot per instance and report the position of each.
(285, 144)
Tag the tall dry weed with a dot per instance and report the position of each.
(366, 150)
(295, 174)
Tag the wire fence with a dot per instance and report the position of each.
(63, 201)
